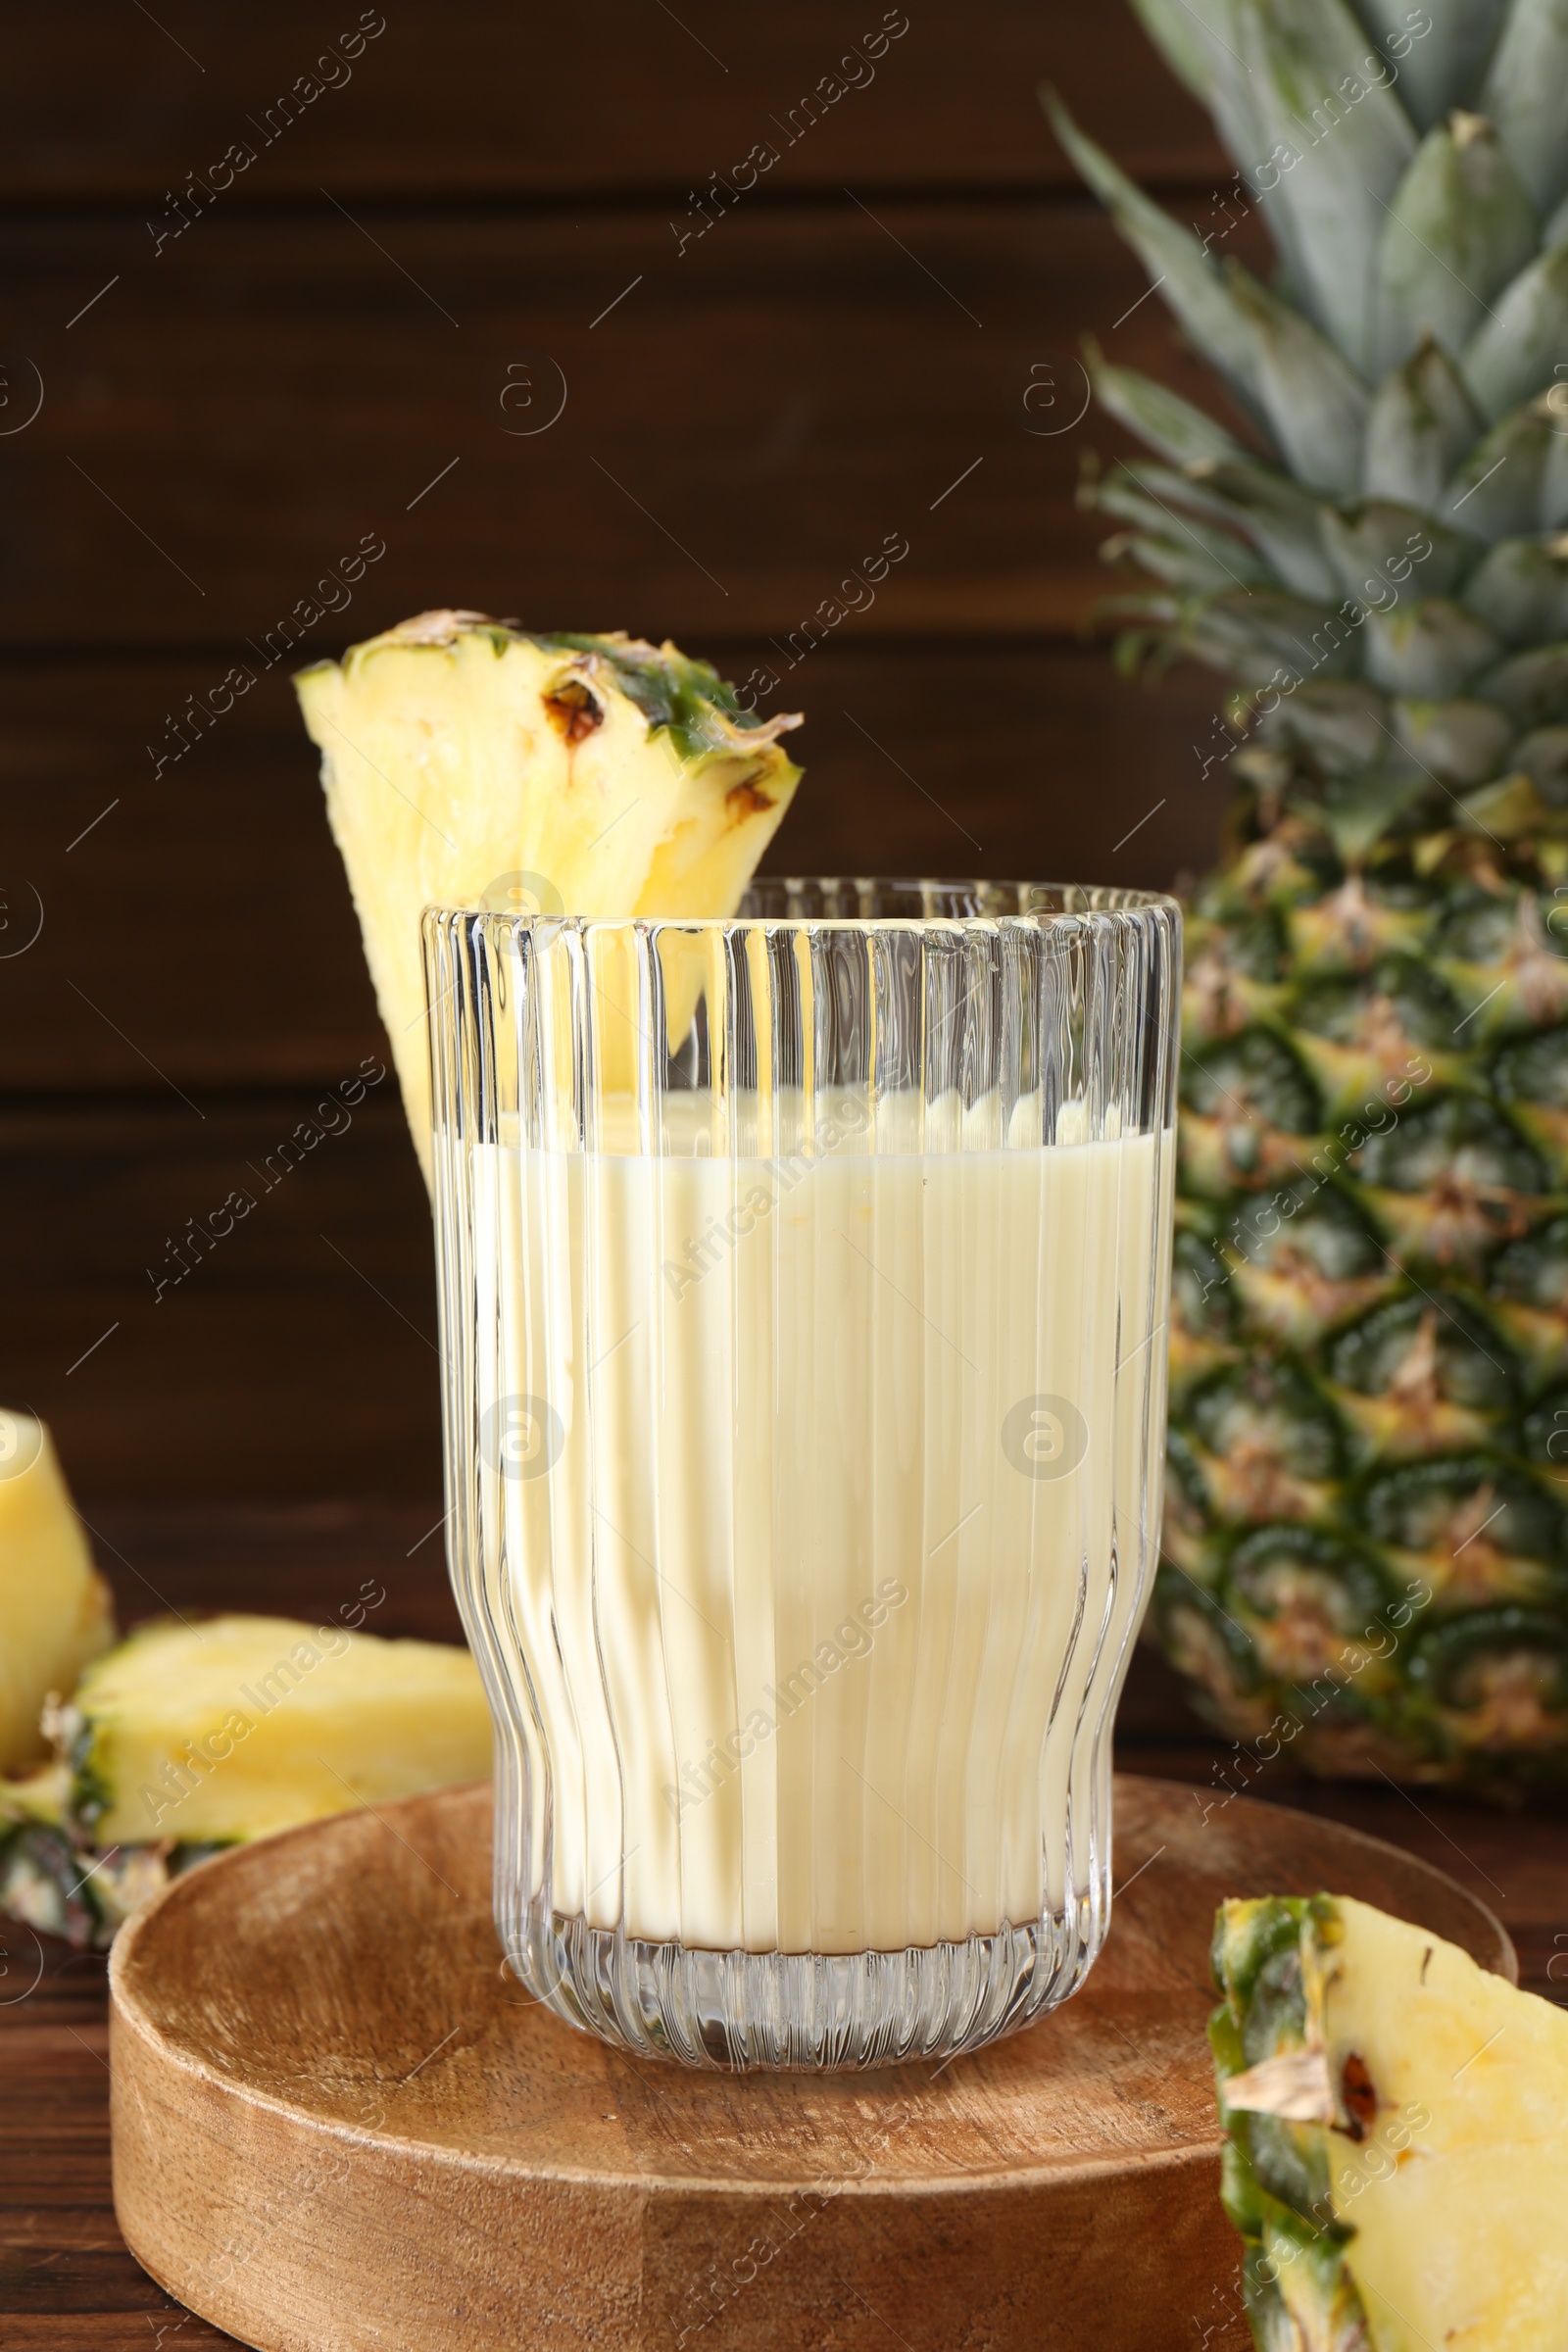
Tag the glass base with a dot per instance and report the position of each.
(807, 2011)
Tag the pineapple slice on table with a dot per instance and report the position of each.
(235, 1727)
(1396, 2120)
(467, 763)
(1368, 542)
(55, 1608)
(188, 1736)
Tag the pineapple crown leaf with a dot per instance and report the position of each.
(1203, 301)
(1522, 93)
(1460, 226)
(1512, 353)
(1178, 34)
(1388, 507)
(1384, 234)
(1326, 143)
(1160, 416)
(1315, 403)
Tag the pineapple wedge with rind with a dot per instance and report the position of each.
(1398, 2134)
(189, 1737)
(235, 1727)
(55, 1608)
(467, 763)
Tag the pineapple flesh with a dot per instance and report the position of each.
(55, 1608)
(1366, 1541)
(468, 763)
(1396, 2120)
(188, 1737)
(235, 1727)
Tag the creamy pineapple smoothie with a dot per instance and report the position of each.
(817, 1508)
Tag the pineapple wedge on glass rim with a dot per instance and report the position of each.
(1396, 2122)
(1367, 536)
(469, 763)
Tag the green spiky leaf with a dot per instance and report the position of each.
(1436, 67)
(1423, 423)
(1513, 352)
(1279, 518)
(1503, 485)
(1262, 634)
(1459, 742)
(1430, 650)
(1460, 226)
(1160, 416)
(1533, 687)
(1153, 498)
(1359, 809)
(1523, 95)
(1342, 724)
(1176, 31)
(1304, 61)
(1521, 589)
(1173, 257)
(1375, 547)
(1317, 406)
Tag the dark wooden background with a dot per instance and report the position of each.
(224, 414)
(321, 355)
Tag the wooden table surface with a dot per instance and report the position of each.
(67, 2283)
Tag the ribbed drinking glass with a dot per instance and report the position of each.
(803, 1290)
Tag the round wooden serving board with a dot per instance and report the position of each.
(338, 2123)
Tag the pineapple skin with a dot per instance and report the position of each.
(1365, 1547)
(1415, 2193)
(596, 775)
(55, 1608)
(1366, 1541)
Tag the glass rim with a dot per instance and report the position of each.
(1097, 899)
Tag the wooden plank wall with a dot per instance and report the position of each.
(270, 337)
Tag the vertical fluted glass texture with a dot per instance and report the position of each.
(803, 1290)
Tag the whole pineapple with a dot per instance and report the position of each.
(1366, 1540)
